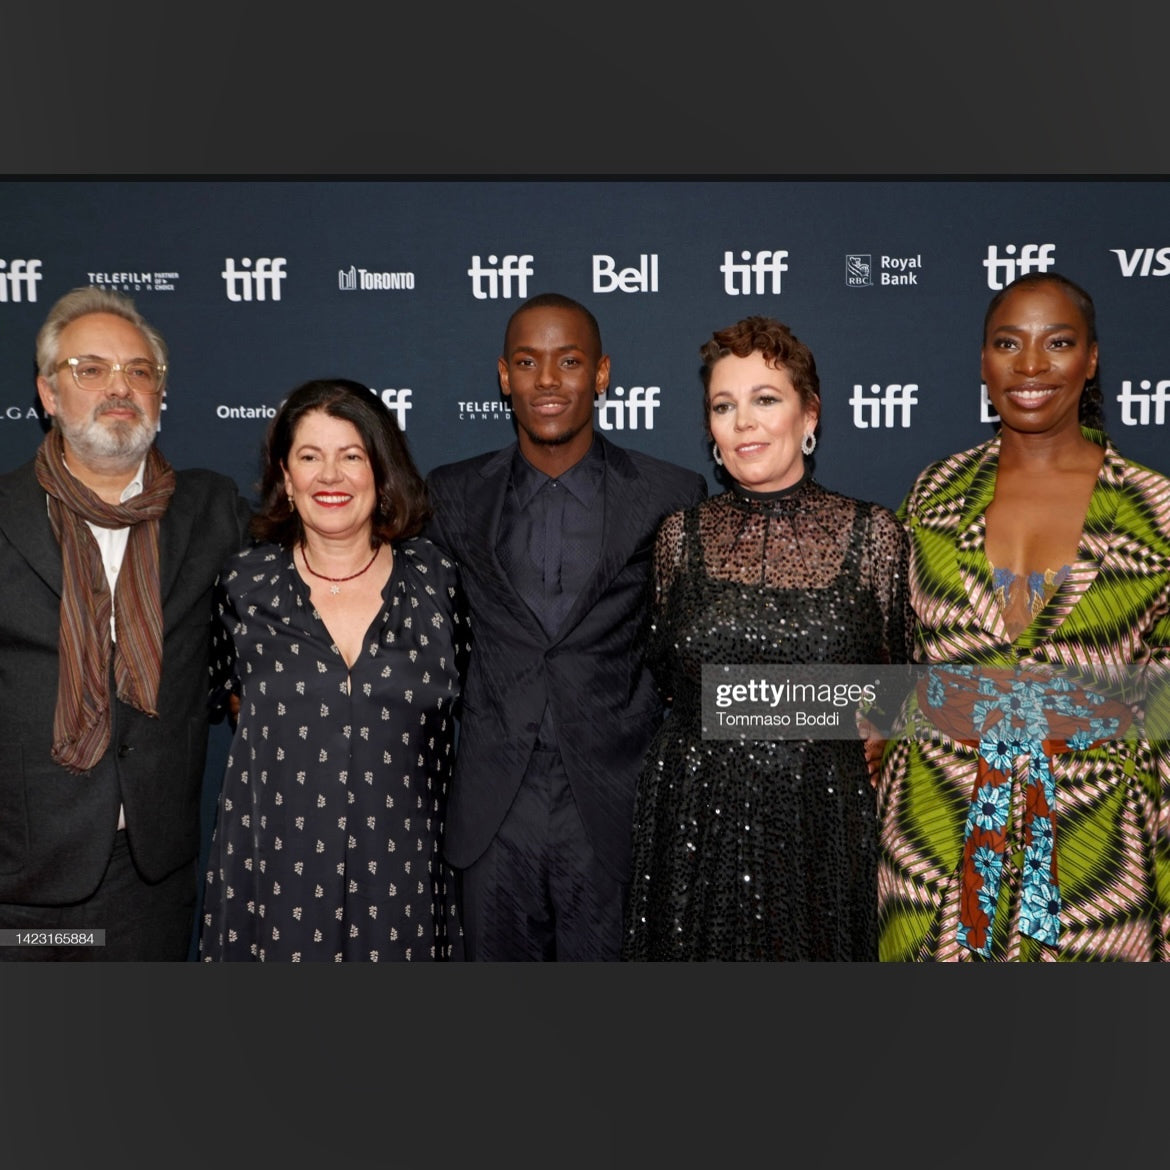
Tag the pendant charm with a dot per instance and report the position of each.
(334, 588)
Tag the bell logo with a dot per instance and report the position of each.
(643, 278)
(261, 283)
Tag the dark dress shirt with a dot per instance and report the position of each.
(550, 539)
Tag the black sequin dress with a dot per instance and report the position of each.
(767, 849)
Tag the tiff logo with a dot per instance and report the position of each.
(21, 273)
(737, 278)
(1032, 258)
(1128, 400)
(1129, 261)
(248, 285)
(399, 403)
(499, 279)
(615, 415)
(878, 406)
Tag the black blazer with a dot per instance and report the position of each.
(605, 705)
(57, 828)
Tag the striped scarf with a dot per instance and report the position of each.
(81, 723)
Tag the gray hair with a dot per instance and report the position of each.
(79, 302)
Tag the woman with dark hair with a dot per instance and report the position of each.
(1024, 807)
(343, 643)
(763, 849)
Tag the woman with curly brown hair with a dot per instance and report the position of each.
(763, 849)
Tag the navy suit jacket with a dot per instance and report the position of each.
(57, 828)
(605, 705)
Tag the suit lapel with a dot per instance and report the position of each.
(175, 530)
(24, 520)
(483, 512)
(626, 503)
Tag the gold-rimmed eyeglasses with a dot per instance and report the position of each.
(92, 373)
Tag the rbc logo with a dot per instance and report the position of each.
(499, 279)
(260, 283)
(615, 415)
(737, 278)
(878, 406)
(399, 403)
(21, 274)
(1032, 258)
(859, 270)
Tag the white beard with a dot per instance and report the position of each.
(119, 446)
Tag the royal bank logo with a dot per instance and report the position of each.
(1002, 270)
(859, 270)
(19, 280)
(354, 279)
(134, 282)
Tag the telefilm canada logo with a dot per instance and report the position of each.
(134, 282)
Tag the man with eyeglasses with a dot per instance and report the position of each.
(107, 559)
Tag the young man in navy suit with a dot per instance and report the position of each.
(554, 535)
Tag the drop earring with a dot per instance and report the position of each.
(808, 444)
(715, 453)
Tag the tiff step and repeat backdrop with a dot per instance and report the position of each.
(405, 285)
